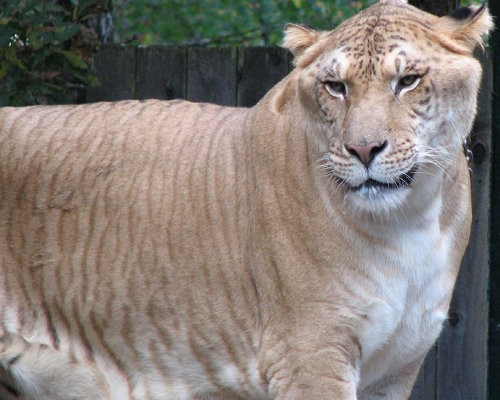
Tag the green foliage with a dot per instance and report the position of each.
(42, 59)
(257, 22)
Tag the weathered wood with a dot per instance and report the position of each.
(259, 69)
(462, 348)
(161, 72)
(425, 385)
(494, 316)
(115, 68)
(211, 75)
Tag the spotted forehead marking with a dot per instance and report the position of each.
(367, 39)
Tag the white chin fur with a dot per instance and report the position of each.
(378, 200)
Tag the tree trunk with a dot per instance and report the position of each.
(437, 7)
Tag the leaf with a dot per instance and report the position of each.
(4, 69)
(10, 55)
(75, 59)
(34, 41)
(6, 35)
(38, 58)
(81, 7)
(67, 32)
(87, 79)
(53, 8)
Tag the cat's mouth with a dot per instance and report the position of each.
(403, 180)
(373, 185)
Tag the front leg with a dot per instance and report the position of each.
(36, 371)
(339, 384)
(308, 368)
(397, 386)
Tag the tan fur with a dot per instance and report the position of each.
(466, 35)
(172, 250)
(298, 38)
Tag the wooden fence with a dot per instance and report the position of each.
(228, 76)
(456, 368)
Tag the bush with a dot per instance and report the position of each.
(45, 49)
(224, 22)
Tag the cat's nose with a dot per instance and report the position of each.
(366, 153)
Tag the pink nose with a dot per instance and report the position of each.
(366, 153)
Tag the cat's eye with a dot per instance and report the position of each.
(407, 82)
(335, 88)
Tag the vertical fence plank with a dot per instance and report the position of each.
(161, 72)
(115, 67)
(259, 69)
(462, 348)
(425, 385)
(211, 75)
(494, 328)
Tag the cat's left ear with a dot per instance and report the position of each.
(466, 28)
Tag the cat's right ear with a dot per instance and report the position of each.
(298, 38)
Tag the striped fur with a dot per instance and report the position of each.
(176, 251)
